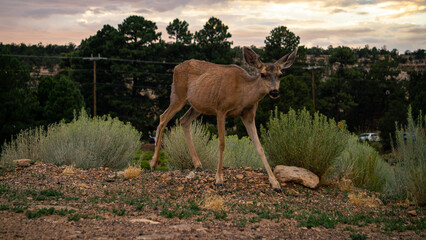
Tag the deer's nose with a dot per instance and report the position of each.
(274, 93)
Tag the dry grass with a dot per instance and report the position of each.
(214, 202)
(69, 170)
(363, 200)
(345, 184)
(132, 172)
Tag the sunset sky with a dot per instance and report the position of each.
(396, 24)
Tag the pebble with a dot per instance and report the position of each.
(191, 175)
(412, 213)
(240, 176)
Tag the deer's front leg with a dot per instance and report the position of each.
(221, 132)
(249, 123)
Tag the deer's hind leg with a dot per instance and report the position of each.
(174, 107)
(186, 121)
(221, 117)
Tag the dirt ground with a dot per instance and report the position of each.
(44, 201)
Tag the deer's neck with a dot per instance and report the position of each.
(256, 89)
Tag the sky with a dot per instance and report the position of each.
(394, 24)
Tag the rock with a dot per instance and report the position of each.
(412, 213)
(201, 230)
(191, 175)
(297, 175)
(165, 236)
(143, 220)
(22, 162)
(183, 227)
(165, 176)
(56, 207)
(120, 174)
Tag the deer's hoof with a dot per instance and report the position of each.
(278, 190)
(219, 184)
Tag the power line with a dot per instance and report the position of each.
(86, 58)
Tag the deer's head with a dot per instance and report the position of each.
(269, 73)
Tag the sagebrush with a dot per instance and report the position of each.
(237, 153)
(299, 139)
(363, 165)
(176, 148)
(84, 142)
(27, 144)
(240, 153)
(410, 154)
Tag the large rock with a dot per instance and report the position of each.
(22, 162)
(296, 174)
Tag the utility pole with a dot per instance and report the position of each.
(94, 59)
(313, 82)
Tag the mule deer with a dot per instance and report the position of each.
(222, 90)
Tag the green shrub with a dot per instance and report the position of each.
(362, 164)
(237, 153)
(91, 142)
(177, 152)
(85, 142)
(26, 144)
(240, 153)
(298, 139)
(410, 154)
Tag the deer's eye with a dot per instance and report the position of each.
(262, 75)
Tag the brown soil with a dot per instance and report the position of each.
(41, 202)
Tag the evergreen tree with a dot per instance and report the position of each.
(59, 98)
(178, 30)
(416, 92)
(19, 108)
(280, 42)
(213, 41)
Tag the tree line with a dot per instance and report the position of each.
(134, 81)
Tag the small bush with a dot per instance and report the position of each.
(26, 144)
(357, 236)
(91, 142)
(85, 142)
(177, 152)
(132, 172)
(69, 170)
(360, 163)
(410, 155)
(237, 153)
(214, 202)
(240, 153)
(298, 139)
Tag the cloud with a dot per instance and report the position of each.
(359, 22)
(45, 12)
(337, 32)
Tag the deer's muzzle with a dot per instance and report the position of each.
(274, 94)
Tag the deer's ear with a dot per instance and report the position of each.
(287, 60)
(251, 58)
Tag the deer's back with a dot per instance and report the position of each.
(210, 87)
